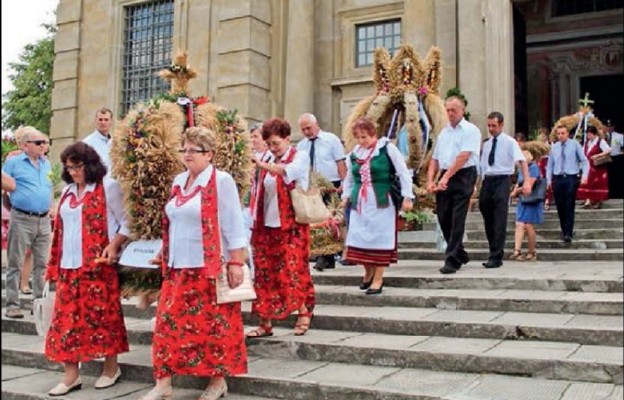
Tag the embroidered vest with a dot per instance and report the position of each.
(211, 234)
(284, 203)
(593, 151)
(382, 170)
(94, 233)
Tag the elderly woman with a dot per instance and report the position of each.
(596, 190)
(203, 225)
(371, 236)
(527, 215)
(281, 245)
(89, 230)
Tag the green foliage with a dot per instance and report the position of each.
(29, 103)
(456, 92)
(418, 216)
(55, 178)
(8, 145)
(227, 117)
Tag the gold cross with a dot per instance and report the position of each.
(586, 101)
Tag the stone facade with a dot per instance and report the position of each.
(283, 57)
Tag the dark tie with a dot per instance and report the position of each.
(312, 152)
(491, 156)
(562, 158)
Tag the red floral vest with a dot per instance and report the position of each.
(94, 233)
(211, 234)
(284, 203)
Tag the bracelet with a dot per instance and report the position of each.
(235, 263)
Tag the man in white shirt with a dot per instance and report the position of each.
(499, 156)
(616, 167)
(100, 139)
(456, 156)
(327, 158)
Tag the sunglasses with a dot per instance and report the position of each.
(38, 142)
(192, 151)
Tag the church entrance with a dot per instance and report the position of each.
(605, 91)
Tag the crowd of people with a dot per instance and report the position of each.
(204, 231)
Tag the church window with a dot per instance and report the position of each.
(372, 35)
(148, 42)
(561, 8)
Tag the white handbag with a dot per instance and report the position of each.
(43, 310)
(243, 292)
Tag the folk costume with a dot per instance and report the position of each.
(597, 187)
(281, 245)
(194, 335)
(88, 321)
(372, 233)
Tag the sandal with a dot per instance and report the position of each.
(517, 254)
(530, 256)
(302, 327)
(263, 330)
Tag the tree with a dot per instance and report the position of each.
(30, 102)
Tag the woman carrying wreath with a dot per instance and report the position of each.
(89, 230)
(281, 245)
(203, 223)
(372, 232)
(597, 188)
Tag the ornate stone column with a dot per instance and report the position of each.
(299, 93)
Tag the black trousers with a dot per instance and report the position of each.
(564, 188)
(452, 208)
(494, 206)
(616, 177)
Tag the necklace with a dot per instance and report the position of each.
(181, 199)
(74, 201)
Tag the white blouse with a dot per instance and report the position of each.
(186, 247)
(296, 171)
(116, 217)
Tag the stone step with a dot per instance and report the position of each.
(562, 327)
(534, 301)
(284, 378)
(580, 214)
(19, 383)
(547, 224)
(554, 234)
(480, 255)
(542, 244)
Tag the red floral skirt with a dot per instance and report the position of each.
(194, 335)
(282, 273)
(87, 322)
(597, 187)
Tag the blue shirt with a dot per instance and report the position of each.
(574, 156)
(534, 172)
(33, 188)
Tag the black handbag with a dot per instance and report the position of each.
(538, 193)
(395, 192)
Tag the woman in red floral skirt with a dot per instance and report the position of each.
(89, 230)
(281, 245)
(596, 190)
(203, 224)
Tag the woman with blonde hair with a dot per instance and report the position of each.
(203, 225)
(527, 215)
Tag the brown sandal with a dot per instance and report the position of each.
(517, 254)
(261, 331)
(530, 256)
(302, 327)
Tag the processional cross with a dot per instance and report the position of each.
(585, 102)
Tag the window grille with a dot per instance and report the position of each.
(561, 8)
(148, 42)
(372, 35)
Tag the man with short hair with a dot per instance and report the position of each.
(31, 209)
(499, 156)
(456, 156)
(562, 173)
(100, 139)
(328, 159)
(616, 166)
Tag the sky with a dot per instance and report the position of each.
(21, 25)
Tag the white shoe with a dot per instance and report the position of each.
(61, 389)
(104, 381)
(158, 394)
(214, 393)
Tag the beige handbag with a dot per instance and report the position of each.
(308, 205)
(602, 160)
(244, 292)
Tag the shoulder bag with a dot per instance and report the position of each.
(602, 160)
(308, 204)
(43, 310)
(243, 292)
(538, 193)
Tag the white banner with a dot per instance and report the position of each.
(139, 253)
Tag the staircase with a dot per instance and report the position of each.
(550, 329)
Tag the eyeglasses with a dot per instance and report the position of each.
(38, 142)
(73, 167)
(193, 151)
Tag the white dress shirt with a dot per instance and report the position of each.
(101, 144)
(452, 141)
(617, 142)
(328, 150)
(506, 155)
(72, 221)
(296, 171)
(186, 245)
